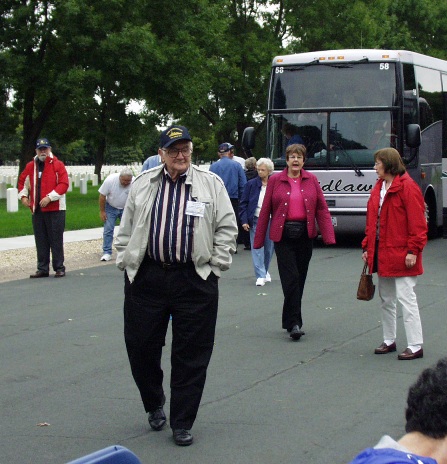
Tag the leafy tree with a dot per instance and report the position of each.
(240, 68)
(419, 25)
(26, 40)
(83, 54)
(416, 25)
(71, 67)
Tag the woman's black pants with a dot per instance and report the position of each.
(293, 257)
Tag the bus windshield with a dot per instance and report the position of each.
(333, 112)
(333, 86)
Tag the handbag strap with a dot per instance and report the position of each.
(364, 269)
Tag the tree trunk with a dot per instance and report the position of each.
(32, 128)
(100, 156)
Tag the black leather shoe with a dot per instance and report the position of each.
(182, 437)
(39, 274)
(59, 274)
(296, 333)
(157, 418)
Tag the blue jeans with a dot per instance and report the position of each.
(109, 226)
(262, 256)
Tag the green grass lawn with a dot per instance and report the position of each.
(82, 213)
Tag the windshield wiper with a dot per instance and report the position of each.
(295, 68)
(358, 172)
(339, 65)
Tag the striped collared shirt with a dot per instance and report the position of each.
(171, 230)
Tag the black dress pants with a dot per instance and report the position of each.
(49, 235)
(155, 294)
(293, 257)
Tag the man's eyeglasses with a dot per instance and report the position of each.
(174, 152)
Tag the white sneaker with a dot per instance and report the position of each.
(268, 278)
(260, 282)
(106, 257)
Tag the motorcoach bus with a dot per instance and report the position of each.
(347, 104)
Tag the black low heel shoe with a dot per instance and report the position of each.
(295, 333)
(182, 437)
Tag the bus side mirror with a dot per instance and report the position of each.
(413, 135)
(248, 138)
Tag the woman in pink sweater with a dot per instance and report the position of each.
(295, 203)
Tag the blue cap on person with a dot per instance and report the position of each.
(43, 143)
(224, 147)
(173, 134)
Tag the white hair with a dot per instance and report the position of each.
(266, 162)
(126, 172)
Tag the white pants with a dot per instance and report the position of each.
(393, 290)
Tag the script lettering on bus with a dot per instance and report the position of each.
(339, 186)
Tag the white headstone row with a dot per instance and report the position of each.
(78, 177)
(9, 174)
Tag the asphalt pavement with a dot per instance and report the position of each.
(67, 389)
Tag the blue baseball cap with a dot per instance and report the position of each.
(224, 147)
(43, 143)
(173, 134)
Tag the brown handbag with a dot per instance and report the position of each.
(366, 288)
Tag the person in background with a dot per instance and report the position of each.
(290, 132)
(249, 209)
(233, 177)
(177, 235)
(151, 162)
(42, 186)
(229, 148)
(295, 202)
(250, 173)
(239, 159)
(112, 198)
(425, 441)
(395, 235)
(250, 168)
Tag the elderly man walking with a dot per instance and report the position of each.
(234, 178)
(177, 235)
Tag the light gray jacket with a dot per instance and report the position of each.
(215, 234)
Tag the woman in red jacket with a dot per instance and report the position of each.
(396, 233)
(294, 201)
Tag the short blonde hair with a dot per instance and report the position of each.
(250, 163)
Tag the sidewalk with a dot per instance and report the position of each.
(27, 241)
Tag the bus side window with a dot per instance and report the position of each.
(410, 94)
(425, 113)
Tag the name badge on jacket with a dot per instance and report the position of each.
(195, 208)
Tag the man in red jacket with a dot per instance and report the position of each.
(42, 187)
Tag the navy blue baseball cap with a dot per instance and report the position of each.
(173, 134)
(224, 147)
(43, 143)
